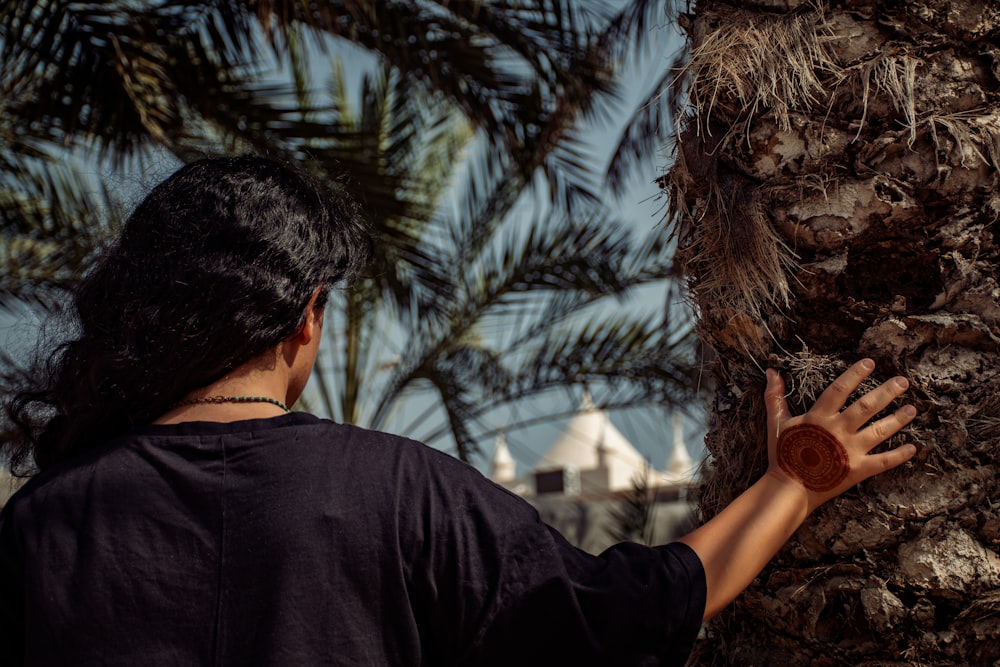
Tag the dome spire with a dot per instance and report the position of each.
(680, 463)
(502, 468)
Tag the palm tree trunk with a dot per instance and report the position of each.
(835, 196)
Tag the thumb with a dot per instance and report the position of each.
(774, 400)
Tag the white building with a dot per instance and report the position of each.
(581, 481)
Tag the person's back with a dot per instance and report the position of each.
(266, 542)
(296, 541)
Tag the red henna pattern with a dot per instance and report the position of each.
(811, 454)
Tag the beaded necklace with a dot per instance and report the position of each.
(233, 399)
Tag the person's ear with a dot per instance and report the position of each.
(311, 323)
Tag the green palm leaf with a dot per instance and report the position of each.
(53, 221)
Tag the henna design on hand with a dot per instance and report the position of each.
(810, 454)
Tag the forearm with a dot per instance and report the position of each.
(738, 542)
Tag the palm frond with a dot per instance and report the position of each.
(648, 131)
(400, 164)
(630, 355)
(99, 71)
(632, 28)
(53, 221)
(633, 518)
(486, 58)
(466, 376)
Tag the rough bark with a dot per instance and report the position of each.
(835, 196)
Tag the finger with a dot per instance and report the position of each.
(878, 463)
(774, 399)
(835, 396)
(879, 431)
(875, 401)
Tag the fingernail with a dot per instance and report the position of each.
(909, 411)
(867, 364)
(770, 373)
(903, 383)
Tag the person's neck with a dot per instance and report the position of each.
(252, 391)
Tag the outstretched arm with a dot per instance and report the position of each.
(811, 458)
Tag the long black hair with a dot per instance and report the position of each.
(214, 267)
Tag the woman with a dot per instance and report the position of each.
(183, 516)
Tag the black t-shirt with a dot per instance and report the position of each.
(298, 541)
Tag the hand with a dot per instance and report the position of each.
(826, 449)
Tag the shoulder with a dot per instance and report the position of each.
(425, 476)
(357, 443)
(379, 463)
(40, 493)
(20, 515)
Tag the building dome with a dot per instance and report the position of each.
(592, 448)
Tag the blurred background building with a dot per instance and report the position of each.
(594, 486)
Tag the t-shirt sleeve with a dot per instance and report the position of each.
(631, 605)
(514, 591)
